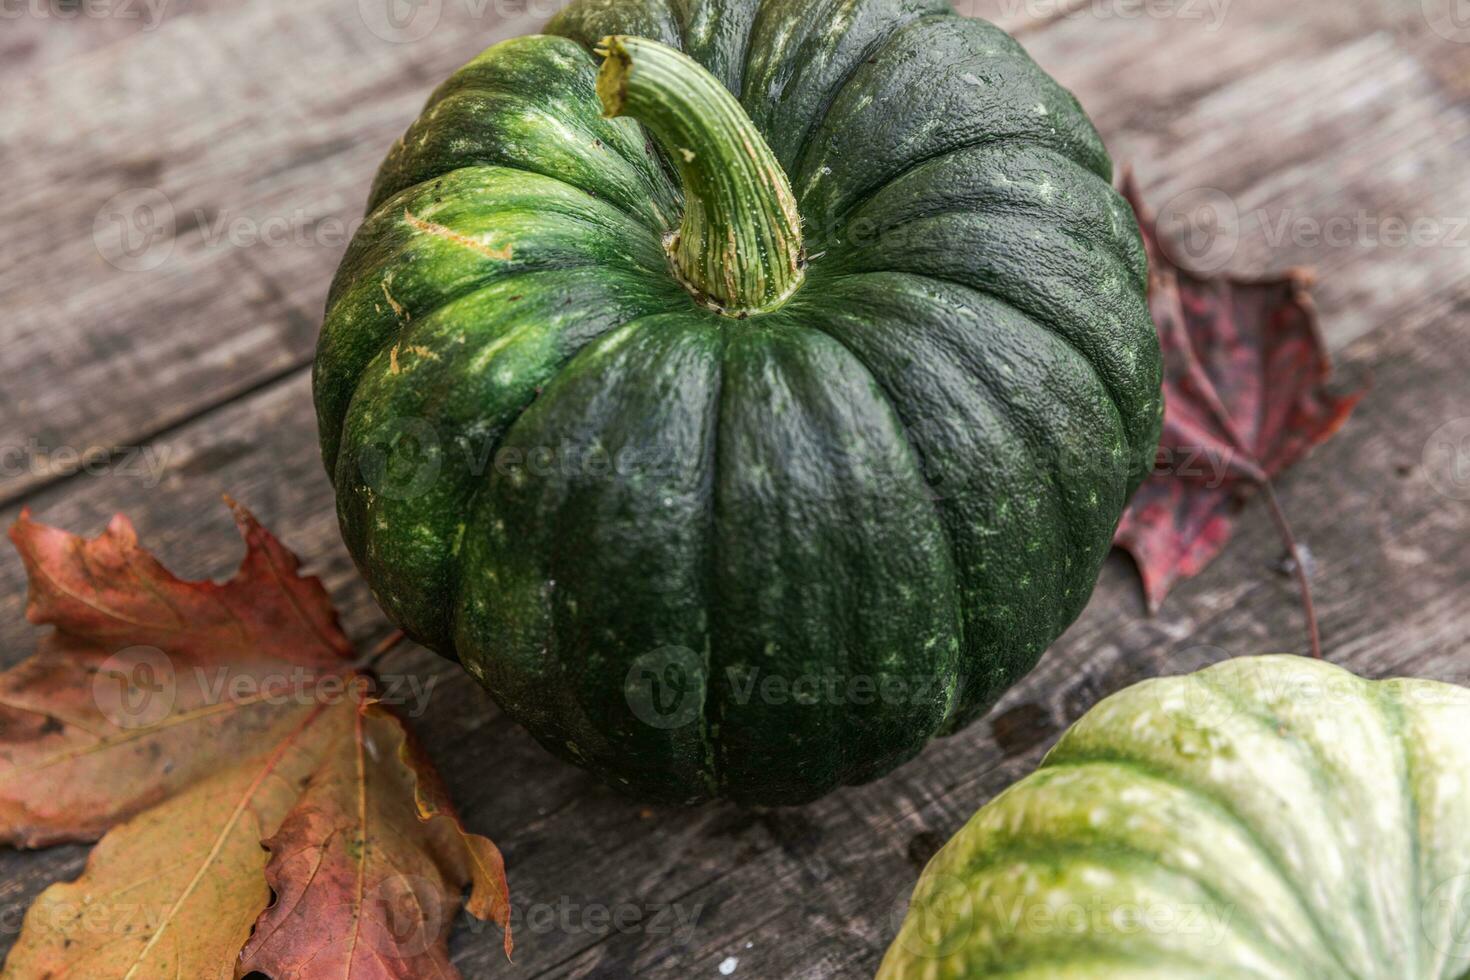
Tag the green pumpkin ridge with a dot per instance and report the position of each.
(1265, 817)
(743, 442)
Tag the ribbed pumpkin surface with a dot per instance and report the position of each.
(1271, 818)
(553, 463)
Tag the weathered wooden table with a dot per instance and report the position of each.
(250, 132)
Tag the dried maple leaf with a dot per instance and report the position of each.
(174, 891)
(201, 721)
(1246, 396)
(149, 683)
(109, 589)
(369, 867)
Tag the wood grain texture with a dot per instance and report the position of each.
(1313, 111)
(815, 890)
(233, 146)
(236, 143)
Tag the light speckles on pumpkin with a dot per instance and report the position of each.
(502, 254)
(505, 334)
(418, 350)
(398, 309)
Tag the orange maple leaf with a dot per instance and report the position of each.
(223, 741)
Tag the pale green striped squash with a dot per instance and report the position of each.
(1272, 818)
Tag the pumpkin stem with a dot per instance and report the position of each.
(738, 249)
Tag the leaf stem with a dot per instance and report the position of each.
(1303, 580)
(370, 659)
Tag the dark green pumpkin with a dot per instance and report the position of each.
(755, 505)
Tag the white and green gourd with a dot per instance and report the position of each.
(1270, 818)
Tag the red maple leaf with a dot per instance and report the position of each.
(1246, 395)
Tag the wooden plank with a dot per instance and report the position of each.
(1396, 171)
(815, 891)
(1319, 149)
(37, 35)
(827, 873)
(236, 187)
(41, 33)
(262, 162)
